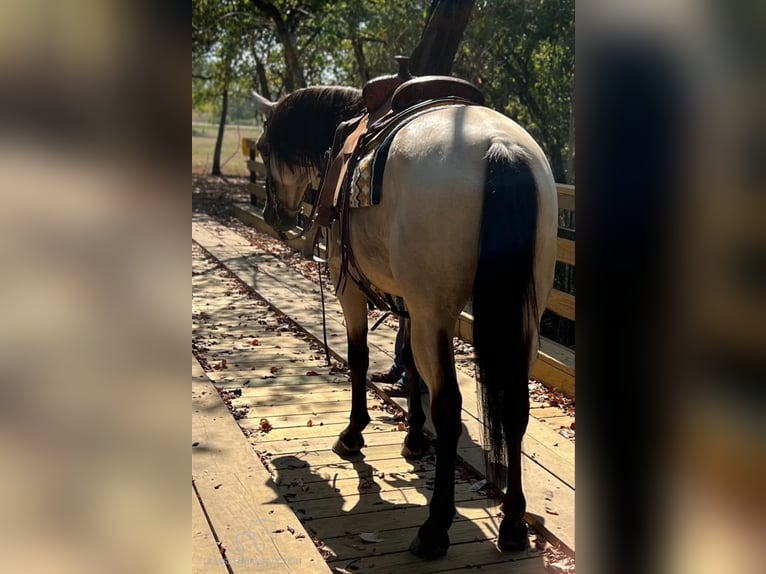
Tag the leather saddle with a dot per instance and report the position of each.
(390, 101)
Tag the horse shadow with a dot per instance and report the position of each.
(374, 525)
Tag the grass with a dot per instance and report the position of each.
(232, 160)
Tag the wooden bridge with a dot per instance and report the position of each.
(555, 363)
(268, 493)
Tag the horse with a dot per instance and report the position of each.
(468, 212)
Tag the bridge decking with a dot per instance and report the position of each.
(336, 499)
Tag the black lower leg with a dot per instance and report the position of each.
(350, 440)
(513, 529)
(433, 540)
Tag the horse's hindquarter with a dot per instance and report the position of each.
(422, 240)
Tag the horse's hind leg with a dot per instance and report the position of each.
(354, 305)
(513, 529)
(432, 539)
(415, 443)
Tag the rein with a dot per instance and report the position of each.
(324, 315)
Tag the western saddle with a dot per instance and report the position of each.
(390, 102)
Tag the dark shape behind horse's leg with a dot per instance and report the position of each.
(415, 443)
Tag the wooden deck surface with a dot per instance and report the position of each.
(337, 500)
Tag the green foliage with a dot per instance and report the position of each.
(519, 52)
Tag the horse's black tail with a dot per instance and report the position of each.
(504, 303)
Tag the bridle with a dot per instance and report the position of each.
(271, 194)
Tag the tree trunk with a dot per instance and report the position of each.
(263, 82)
(435, 53)
(361, 62)
(286, 35)
(295, 78)
(221, 128)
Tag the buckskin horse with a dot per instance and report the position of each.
(467, 211)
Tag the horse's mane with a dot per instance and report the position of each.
(302, 125)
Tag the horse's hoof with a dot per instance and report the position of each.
(429, 550)
(415, 448)
(407, 452)
(512, 538)
(341, 449)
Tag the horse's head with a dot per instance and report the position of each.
(285, 187)
(286, 181)
(299, 129)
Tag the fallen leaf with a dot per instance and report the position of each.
(371, 537)
(478, 486)
(310, 423)
(255, 342)
(265, 425)
(312, 373)
(273, 370)
(401, 427)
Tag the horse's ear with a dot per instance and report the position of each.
(263, 105)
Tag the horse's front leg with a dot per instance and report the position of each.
(354, 305)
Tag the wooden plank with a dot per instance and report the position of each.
(257, 189)
(555, 365)
(566, 195)
(396, 538)
(256, 166)
(354, 506)
(299, 491)
(287, 423)
(550, 502)
(397, 469)
(563, 304)
(461, 557)
(306, 409)
(391, 519)
(565, 250)
(205, 554)
(390, 438)
(292, 394)
(551, 373)
(254, 218)
(381, 347)
(559, 353)
(234, 487)
(311, 458)
(331, 430)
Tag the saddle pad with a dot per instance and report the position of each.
(367, 175)
(361, 183)
(367, 178)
